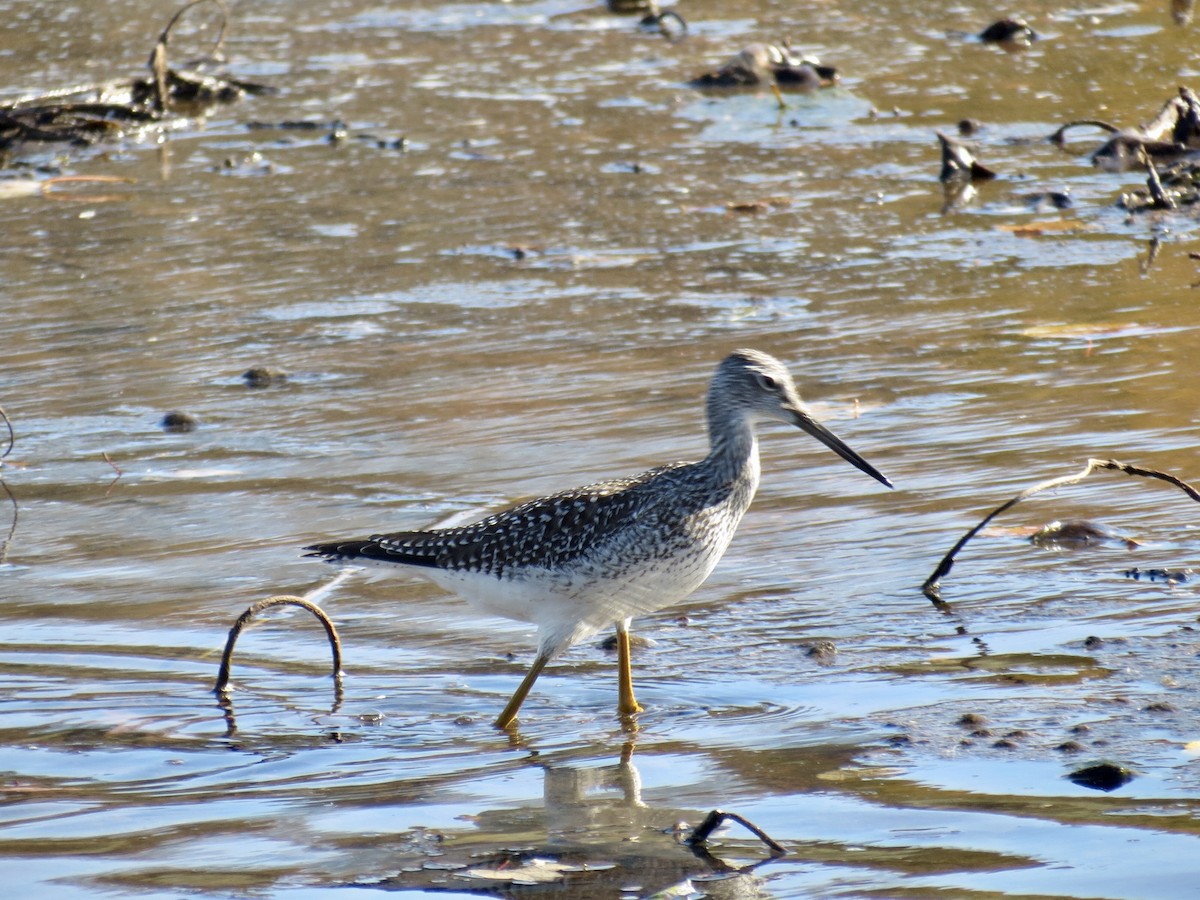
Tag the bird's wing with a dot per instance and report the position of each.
(548, 532)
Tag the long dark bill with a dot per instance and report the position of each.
(806, 422)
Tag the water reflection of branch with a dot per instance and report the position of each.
(931, 587)
(116, 468)
(1146, 264)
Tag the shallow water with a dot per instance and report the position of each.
(532, 293)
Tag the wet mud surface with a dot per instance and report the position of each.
(462, 254)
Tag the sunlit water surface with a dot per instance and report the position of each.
(531, 293)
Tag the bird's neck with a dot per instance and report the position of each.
(733, 447)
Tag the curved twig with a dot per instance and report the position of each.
(661, 19)
(158, 56)
(120, 472)
(335, 643)
(12, 437)
(165, 37)
(931, 588)
(1059, 136)
(717, 817)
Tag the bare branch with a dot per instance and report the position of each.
(12, 437)
(335, 643)
(931, 587)
(717, 817)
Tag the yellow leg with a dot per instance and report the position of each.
(509, 716)
(778, 95)
(627, 704)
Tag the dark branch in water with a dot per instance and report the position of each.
(215, 52)
(717, 818)
(662, 21)
(1159, 198)
(335, 644)
(1059, 137)
(1170, 136)
(931, 587)
(85, 115)
(12, 437)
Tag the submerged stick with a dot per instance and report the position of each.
(306, 602)
(46, 188)
(12, 437)
(717, 817)
(931, 588)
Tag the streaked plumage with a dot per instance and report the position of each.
(580, 560)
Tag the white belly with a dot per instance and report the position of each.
(571, 604)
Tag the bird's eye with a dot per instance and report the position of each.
(767, 383)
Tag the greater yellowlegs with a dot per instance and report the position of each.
(580, 560)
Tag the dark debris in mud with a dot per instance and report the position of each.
(1173, 132)
(82, 116)
(1009, 33)
(823, 652)
(1168, 576)
(1176, 186)
(336, 132)
(1094, 726)
(1104, 776)
(664, 862)
(264, 376)
(959, 162)
(1078, 533)
(1165, 147)
(178, 422)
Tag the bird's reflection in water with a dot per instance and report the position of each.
(594, 836)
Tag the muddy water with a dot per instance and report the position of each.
(516, 273)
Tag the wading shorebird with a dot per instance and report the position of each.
(583, 559)
(769, 64)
